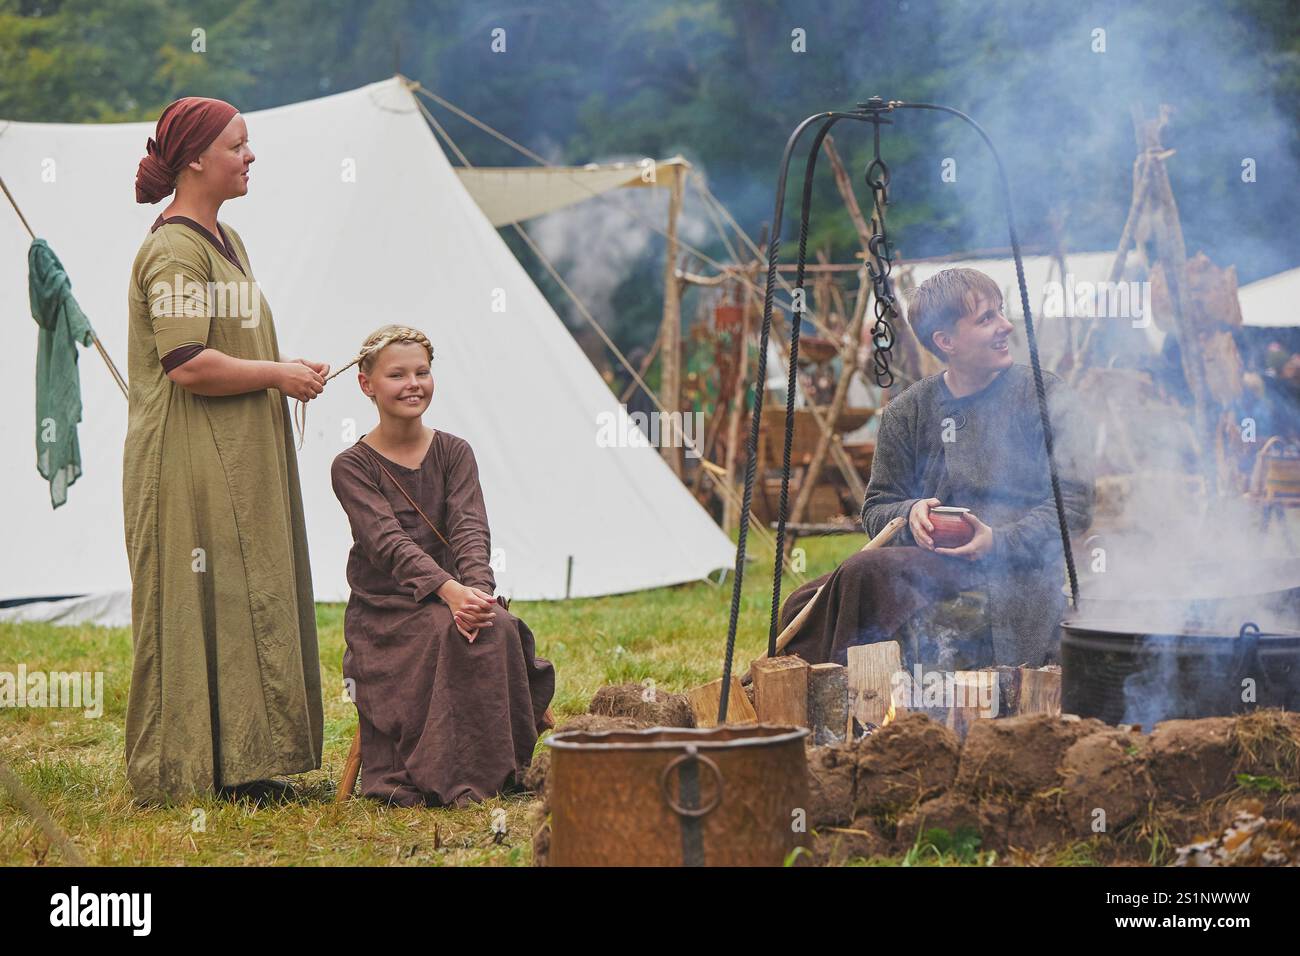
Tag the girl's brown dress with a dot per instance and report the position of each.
(443, 721)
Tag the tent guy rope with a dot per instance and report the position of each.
(809, 314)
(722, 487)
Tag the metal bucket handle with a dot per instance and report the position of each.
(1246, 654)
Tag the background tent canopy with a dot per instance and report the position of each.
(1272, 302)
(509, 194)
(354, 218)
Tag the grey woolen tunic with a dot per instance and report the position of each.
(985, 452)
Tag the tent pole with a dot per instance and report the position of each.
(670, 338)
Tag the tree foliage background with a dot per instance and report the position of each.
(721, 81)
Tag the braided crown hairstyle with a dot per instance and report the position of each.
(380, 339)
(375, 343)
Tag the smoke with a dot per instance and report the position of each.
(1182, 571)
(1053, 85)
(597, 244)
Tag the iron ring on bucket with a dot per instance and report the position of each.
(677, 808)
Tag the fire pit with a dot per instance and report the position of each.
(1123, 673)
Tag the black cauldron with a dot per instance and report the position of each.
(1123, 673)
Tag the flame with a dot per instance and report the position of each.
(889, 714)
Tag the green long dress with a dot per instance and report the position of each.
(225, 685)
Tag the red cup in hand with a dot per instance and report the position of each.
(951, 530)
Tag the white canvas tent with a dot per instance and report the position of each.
(354, 218)
(516, 193)
(1272, 302)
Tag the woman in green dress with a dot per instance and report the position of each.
(225, 685)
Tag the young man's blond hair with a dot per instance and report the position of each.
(938, 302)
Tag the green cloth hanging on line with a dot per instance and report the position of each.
(58, 383)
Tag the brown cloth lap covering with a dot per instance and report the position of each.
(984, 452)
(869, 597)
(443, 721)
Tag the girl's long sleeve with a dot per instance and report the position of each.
(468, 532)
(378, 532)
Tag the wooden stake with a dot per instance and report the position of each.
(351, 767)
(1172, 254)
(632, 386)
(94, 337)
(731, 504)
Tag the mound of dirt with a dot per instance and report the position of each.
(832, 846)
(1106, 772)
(1192, 761)
(953, 811)
(1267, 743)
(630, 700)
(1018, 756)
(535, 777)
(832, 775)
(540, 821)
(1032, 785)
(902, 764)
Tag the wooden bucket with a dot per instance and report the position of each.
(735, 795)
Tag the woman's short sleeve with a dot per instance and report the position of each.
(176, 285)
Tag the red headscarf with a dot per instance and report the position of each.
(185, 129)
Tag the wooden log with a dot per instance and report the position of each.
(871, 674)
(1008, 689)
(828, 703)
(781, 690)
(704, 701)
(975, 697)
(1040, 690)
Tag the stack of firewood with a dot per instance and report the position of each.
(838, 703)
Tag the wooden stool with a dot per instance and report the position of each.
(351, 768)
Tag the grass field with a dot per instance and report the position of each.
(75, 765)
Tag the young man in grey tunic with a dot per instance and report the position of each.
(970, 437)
